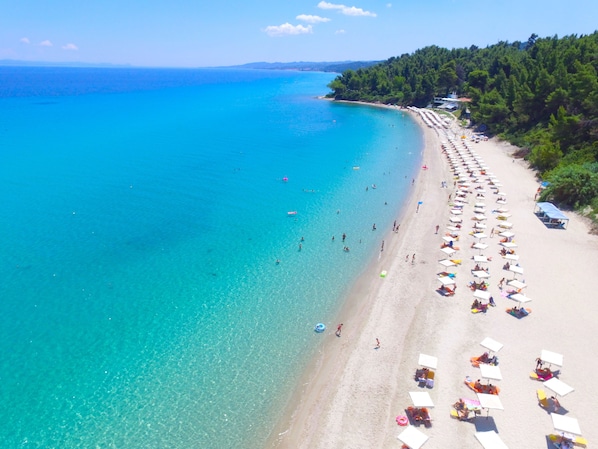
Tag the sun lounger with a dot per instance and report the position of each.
(542, 398)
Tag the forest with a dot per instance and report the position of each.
(541, 95)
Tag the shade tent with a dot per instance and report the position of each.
(482, 294)
(428, 361)
(551, 215)
(551, 357)
(413, 438)
(490, 440)
(490, 372)
(564, 423)
(558, 386)
(491, 344)
(480, 235)
(421, 399)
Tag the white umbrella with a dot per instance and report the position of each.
(551, 357)
(508, 245)
(479, 217)
(480, 274)
(490, 372)
(480, 259)
(448, 250)
(447, 263)
(567, 424)
(480, 235)
(412, 437)
(501, 193)
(558, 386)
(490, 440)
(446, 280)
(482, 294)
(519, 297)
(428, 361)
(504, 215)
(491, 344)
(511, 257)
(516, 269)
(421, 399)
(502, 209)
(507, 234)
(452, 228)
(479, 225)
(456, 220)
(505, 224)
(517, 284)
(481, 246)
(479, 210)
(490, 401)
(456, 211)
(448, 238)
(480, 204)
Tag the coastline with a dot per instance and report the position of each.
(350, 395)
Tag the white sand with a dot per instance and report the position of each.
(351, 395)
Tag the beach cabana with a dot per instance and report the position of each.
(413, 438)
(551, 215)
(490, 440)
(511, 257)
(562, 423)
(551, 358)
(515, 269)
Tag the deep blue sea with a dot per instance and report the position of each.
(142, 215)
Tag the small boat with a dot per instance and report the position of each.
(293, 212)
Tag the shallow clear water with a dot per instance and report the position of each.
(142, 215)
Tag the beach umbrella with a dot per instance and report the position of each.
(552, 358)
(479, 210)
(479, 225)
(480, 246)
(428, 361)
(481, 294)
(446, 280)
(489, 401)
(501, 193)
(491, 344)
(502, 209)
(516, 284)
(413, 438)
(447, 263)
(503, 216)
(490, 372)
(508, 245)
(567, 424)
(507, 234)
(421, 399)
(558, 386)
(449, 239)
(505, 225)
(480, 258)
(456, 211)
(490, 440)
(448, 250)
(511, 257)
(452, 228)
(480, 235)
(456, 220)
(522, 299)
(480, 204)
(515, 269)
(480, 274)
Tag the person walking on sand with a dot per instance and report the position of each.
(407, 258)
(437, 228)
(501, 282)
(377, 344)
(413, 259)
(555, 404)
(492, 233)
(382, 247)
(338, 330)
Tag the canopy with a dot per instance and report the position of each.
(482, 294)
(511, 257)
(455, 220)
(421, 399)
(412, 437)
(508, 245)
(480, 235)
(567, 424)
(449, 239)
(516, 269)
(551, 211)
(428, 361)
(558, 386)
(490, 440)
(507, 234)
(479, 246)
(480, 274)
(505, 224)
(491, 344)
(551, 357)
(490, 401)
(456, 211)
(519, 297)
(447, 263)
(517, 284)
(446, 280)
(448, 250)
(480, 259)
(491, 372)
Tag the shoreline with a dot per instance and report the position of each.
(351, 393)
(318, 383)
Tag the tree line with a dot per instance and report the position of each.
(541, 95)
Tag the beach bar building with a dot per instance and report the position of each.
(551, 215)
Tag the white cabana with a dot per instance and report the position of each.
(558, 386)
(413, 438)
(479, 217)
(551, 357)
(453, 228)
(482, 294)
(505, 225)
(564, 423)
(491, 344)
(490, 372)
(421, 399)
(449, 239)
(456, 211)
(455, 219)
(490, 440)
(428, 361)
(479, 225)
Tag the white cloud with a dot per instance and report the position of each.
(45, 43)
(24, 40)
(286, 29)
(339, 32)
(312, 19)
(70, 47)
(346, 10)
(389, 5)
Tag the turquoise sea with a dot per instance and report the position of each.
(142, 214)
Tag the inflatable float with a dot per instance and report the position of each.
(320, 327)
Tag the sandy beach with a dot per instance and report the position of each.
(351, 395)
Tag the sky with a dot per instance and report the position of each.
(208, 33)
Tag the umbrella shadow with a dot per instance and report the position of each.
(485, 424)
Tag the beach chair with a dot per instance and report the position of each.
(542, 398)
(580, 441)
(430, 379)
